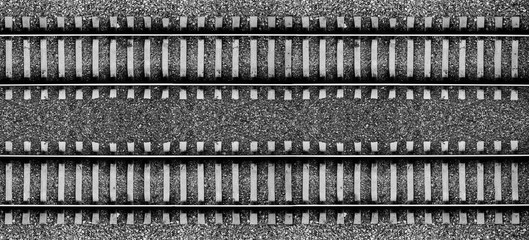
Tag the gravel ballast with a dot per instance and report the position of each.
(329, 120)
(263, 231)
(273, 8)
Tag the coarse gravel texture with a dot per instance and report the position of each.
(274, 8)
(313, 231)
(329, 120)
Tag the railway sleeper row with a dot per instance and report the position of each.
(286, 92)
(269, 148)
(239, 214)
(252, 24)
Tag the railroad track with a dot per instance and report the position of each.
(286, 189)
(339, 50)
(204, 183)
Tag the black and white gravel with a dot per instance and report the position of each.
(268, 8)
(329, 120)
(312, 231)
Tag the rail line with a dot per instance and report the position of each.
(331, 56)
(282, 189)
(177, 184)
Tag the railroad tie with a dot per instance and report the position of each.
(427, 183)
(9, 183)
(218, 49)
(253, 48)
(95, 50)
(339, 49)
(393, 190)
(183, 182)
(166, 182)
(113, 49)
(271, 49)
(235, 49)
(236, 220)
(95, 182)
(462, 49)
(253, 182)
(374, 50)
(183, 49)
(480, 49)
(271, 182)
(515, 216)
(410, 217)
(61, 182)
(147, 219)
(462, 183)
(322, 182)
(288, 49)
(357, 218)
(43, 216)
(218, 183)
(289, 220)
(130, 183)
(323, 49)
(113, 183)
(27, 183)
(78, 183)
(200, 180)
(340, 184)
(515, 25)
(480, 218)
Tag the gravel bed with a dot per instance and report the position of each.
(18, 170)
(18, 58)
(365, 182)
(175, 178)
(310, 8)
(69, 180)
(106, 120)
(402, 181)
(418, 178)
(453, 181)
(104, 181)
(35, 182)
(348, 181)
(488, 170)
(297, 181)
(121, 182)
(138, 181)
(384, 180)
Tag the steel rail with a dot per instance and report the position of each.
(241, 206)
(491, 156)
(484, 35)
(264, 84)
